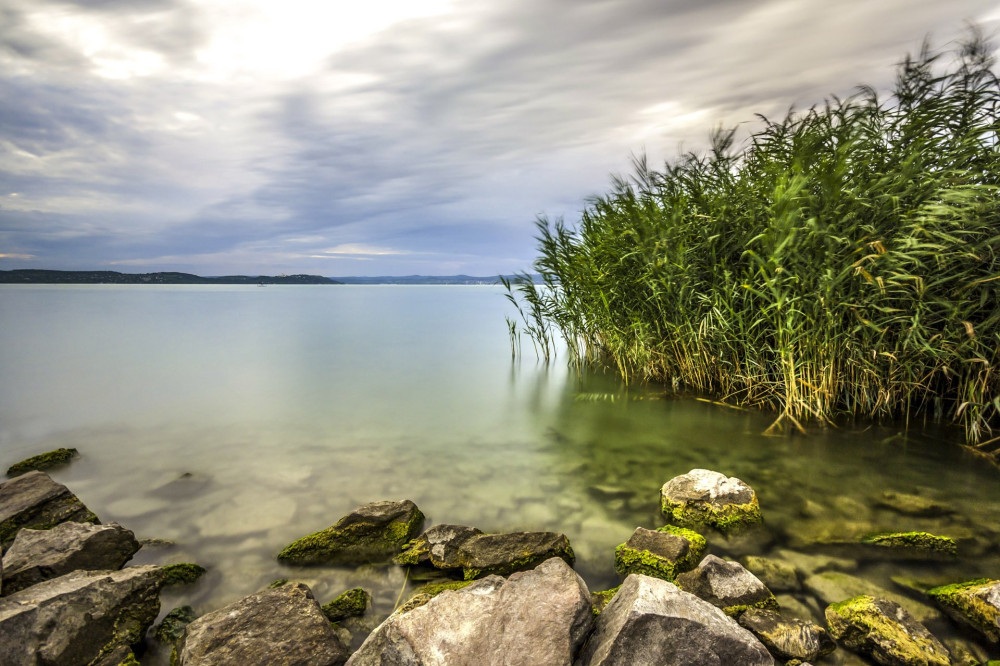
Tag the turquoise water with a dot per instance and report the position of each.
(290, 405)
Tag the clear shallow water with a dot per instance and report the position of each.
(290, 405)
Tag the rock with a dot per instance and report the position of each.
(661, 553)
(42, 461)
(78, 618)
(807, 564)
(726, 585)
(651, 622)
(351, 603)
(975, 603)
(883, 630)
(599, 600)
(425, 593)
(839, 536)
(778, 576)
(371, 533)
(788, 638)
(794, 606)
(438, 547)
(182, 574)
(913, 545)
(914, 505)
(503, 554)
(703, 497)
(34, 500)
(172, 627)
(278, 627)
(534, 617)
(38, 555)
(831, 587)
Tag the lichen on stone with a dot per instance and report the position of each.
(919, 541)
(965, 602)
(351, 603)
(180, 574)
(42, 461)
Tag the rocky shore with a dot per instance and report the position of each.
(67, 598)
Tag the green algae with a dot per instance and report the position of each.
(725, 517)
(960, 600)
(916, 541)
(181, 574)
(351, 603)
(858, 624)
(42, 461)
(633, 560)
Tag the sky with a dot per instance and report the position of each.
(389, 137)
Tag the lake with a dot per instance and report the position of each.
(231, 420)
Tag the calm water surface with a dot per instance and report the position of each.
(289, 405)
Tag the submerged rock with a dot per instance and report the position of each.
(651, 622)
(975, 603)
(704, 497)
(371, 533)
(42, 461)
(352, 603)
(34, 500)
(503, 554)
(726, 585)
(914, 505)
(79, 618)
(438, 546)
(279, 627)
(883, 630)
(661, 553)
(831, 587)
(534, 617)
(38, 555)
(182, 574)
(778, 576)
(172, 627)
(788, 638)
(916, 545)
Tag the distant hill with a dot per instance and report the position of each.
(33, 276)
(423, 279)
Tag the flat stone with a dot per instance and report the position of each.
(832, 587)
(78, 618)
(503, 554)
(884, 631)
(43, 461)
(534, 617)
(283, 626)
(726, 585)
(975, 603)
(914, 505)
(652, 622)
(662, 553)
(807, 564)
(704, 497)
(38, 555)
(438, 547)
(787, 638)
(34, 500)
(777, 575)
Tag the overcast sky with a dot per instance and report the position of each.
(387, 137)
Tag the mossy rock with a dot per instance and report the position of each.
(182, 574)
(425, 593)
(507, 553)
(352, 603)
(371, 534)
(35, 501)
(661, 553)
(703, 497)
(727, 585)
(42, 461)
(917, 544)
(598, 600)
(975, 603)
(276, 583)
(438, 547)
(173, 625)
(884, 631)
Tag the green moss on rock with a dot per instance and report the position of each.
(424, 594)
(648, 554)
(916, 541)
(42, 461)
(599, 600)
(967, 602)
(278, 582)
(180, 574)
(351, 603)
(883, 630)
(173, 625)
(129, 660)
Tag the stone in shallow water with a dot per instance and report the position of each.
(651, 622)
(43, 461)
(975, 603)
(662, 553)
(778, 576)
(34, 500)
(534, 617)
(38, 555)
(914, 505)
(503, 554)
(831, 587)
(279, 627)
(438, 546)
(883, 630)
(352, 603)
(788, 638)
(371, 533)
(726, 585)
(704, 497)
(172, 627)
(913, 545)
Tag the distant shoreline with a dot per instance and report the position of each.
(42, 276)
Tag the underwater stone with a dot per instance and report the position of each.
(34, 500)
(834, 586)
(173, 625)
(661, 553)
(438, 546)
(704, 497)
(975, 603)
(42, 461)
(351, 603)
(883, 630)
(920, 545)
(503, 554)
(914, 505)
(787, 638)
(371, 533)
(726, 585)
(182, 574)
(778, 576)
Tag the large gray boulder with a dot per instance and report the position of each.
(788, 638)
(35, 500)
(534, 618)
(79, 618)
(652, 622)
(38, 555)
(727, 585)
(371, 533)
(438, 547)
(884, 631)
(283, 626)
(704, 497)
(503, 554)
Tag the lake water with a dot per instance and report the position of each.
(290, 405)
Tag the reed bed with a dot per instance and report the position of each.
(842, 261)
